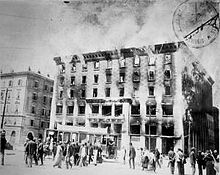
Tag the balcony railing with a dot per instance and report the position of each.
(99, 116)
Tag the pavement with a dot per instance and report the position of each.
(14, 165)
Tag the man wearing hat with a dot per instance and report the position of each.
(192, 157)
(3, 146)
(40, 151)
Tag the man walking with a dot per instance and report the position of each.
(40, 151)
(132, 155)
(3, 145)
(192, 157)
(30, 151)
(157, 157)
(171, 156)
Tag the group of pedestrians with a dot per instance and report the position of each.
(75, 154)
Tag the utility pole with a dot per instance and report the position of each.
(3, 114)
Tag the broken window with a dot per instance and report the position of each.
(167, 90)
(151, 109)
(83, 93)
(109, 64)
(95, 109)
(167, 59)
(167, 74)
(135, 109)
(153, 129)
(73, 67)
(122, 62)
(122, 77)
(72, 80)
(82, 109)
(107, 110)
(83, 79)
(136, 60)
(151, 75)
(96, 65)
(121, 92)
(96, 79)
(136, 76)
(118, 110)
(151, 90)
(107, 92)
(167, 110)
(70, 109)
(59, 109)
(95, 92)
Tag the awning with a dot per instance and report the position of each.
(89, 130)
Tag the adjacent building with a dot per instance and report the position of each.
(152, 96)
(26, 97)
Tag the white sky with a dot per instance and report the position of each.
(33, 32)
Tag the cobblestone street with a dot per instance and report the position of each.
(14, 165)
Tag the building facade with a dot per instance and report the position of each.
(149, 96)
(26, 97)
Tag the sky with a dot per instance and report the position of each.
(34, 32)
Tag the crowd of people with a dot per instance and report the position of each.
(72, 153)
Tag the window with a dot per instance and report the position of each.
(121, 92)
(118, 110)
(122, 77)
(153, 129)
(95, 92)
(43, 112)
(19, 82)
(84, 66)
(83, 93)
(50, 101)
(167, 74)
(33, 110)
(107, 92)
(136, 60)
(167, 59)
(61, 80)
(73, 67)
(10, 83)
(135, 129)
(106, 110)
(2, 94)
(42, 124)
(167, 110)
(16, 109)
(9, 95)
(45, 87)
(151, 75)
(122, 62)
(62, 68)
(51, 89)
(96, 78)
(94, 125)
(151, 109)
(83, 79)
(36, 84)
(152, 60)
(32, 123)
(59, 109)
(109, 64)
(151, 91)
(168, 130)
(167, 90)
(34, 97)
(96, 65)
(44, 99)
(108, 78)
(72, 80)
(61, 94)
(135, 109)
(82, 109)
(18, 94)
(95, 109)
(71, 93)
(136, 76)
(70, 109)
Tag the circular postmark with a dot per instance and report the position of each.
(196, 23)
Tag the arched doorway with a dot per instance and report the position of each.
(12, 138)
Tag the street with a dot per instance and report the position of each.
(14, 165)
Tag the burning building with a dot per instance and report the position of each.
(155, 97)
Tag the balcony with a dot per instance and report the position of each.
(99, 116)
